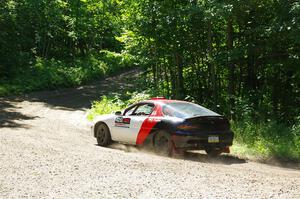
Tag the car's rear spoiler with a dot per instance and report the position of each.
(208, 117)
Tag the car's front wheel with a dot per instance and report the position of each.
(103, 135)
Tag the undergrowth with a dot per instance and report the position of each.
(51, 74)
(267, 140)
(111, 104)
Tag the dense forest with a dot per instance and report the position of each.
(53, 43)
(240, 58)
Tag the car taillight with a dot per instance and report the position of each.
(186, 127)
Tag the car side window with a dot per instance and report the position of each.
(129, 111)
(144, 109)
(169, 111)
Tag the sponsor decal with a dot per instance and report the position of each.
(122, 122)
(118, 119)
(126, 120)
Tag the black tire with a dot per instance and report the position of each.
(163, 144)
(213, 152)
(103, 135)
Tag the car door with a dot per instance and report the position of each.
(129, 124)
(121, 124)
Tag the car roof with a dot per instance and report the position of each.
(164, 101)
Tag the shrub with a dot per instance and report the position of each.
(106, 105)
(110, 104)
(269, 139)
(117, 61)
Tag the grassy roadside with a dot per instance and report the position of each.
(266, 140)
(256, 141)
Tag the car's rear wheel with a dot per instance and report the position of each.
(103, 135)
(163, 144)
(213, 152)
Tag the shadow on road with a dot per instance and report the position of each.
(81, 98)
(10, 117)
(71, 99)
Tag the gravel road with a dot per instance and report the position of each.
(47, 151)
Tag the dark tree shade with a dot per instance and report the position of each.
(228, 53)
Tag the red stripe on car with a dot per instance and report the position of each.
(146, 128)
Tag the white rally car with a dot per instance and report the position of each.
(168, 125)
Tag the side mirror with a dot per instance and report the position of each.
(118, 113)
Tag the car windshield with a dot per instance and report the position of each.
(185, 110)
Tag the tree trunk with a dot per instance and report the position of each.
(251, 68)
(180, 86)
(172, 78)
(166, 76)
(211, 67)
(231, 66)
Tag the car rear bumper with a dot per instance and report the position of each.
(200, 141)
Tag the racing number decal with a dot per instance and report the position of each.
(122, 122)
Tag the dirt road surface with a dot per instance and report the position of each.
(47, 151)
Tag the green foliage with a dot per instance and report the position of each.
(137, 97)
(51, 74)
(223, 54)
(106, 105)
(110, 104)
(117, 61)
(267, 139)
(53, 43)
